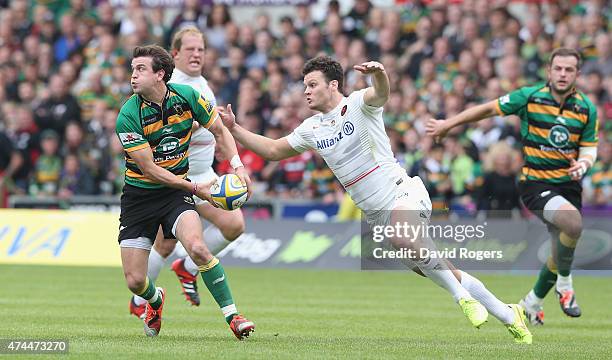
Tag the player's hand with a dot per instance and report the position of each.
(243, 175)
(203, 191)
(227, 116)
(577, 169)
(436, 129)
(369, 67)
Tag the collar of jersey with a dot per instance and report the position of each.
(151, 103)
(327, 117)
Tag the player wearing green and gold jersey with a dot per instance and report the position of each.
(559, 138)
(155, 127)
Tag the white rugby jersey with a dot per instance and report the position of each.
(202, 146)
(352, 140)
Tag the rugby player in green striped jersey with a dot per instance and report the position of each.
(559, 137)
(154, 126)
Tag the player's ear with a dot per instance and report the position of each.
(334, 84)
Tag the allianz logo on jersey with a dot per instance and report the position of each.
(347, 129)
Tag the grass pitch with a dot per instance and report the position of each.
(299, 315)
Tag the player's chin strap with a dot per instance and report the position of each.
(586, 159)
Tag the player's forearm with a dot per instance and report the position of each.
(227, 143)
(380, 82)
(258, 144)
(472, 114)
(164, 177)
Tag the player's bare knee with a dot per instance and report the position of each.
(165, 247)
(573, 227)
(233, 230)
(135, 282)
(200, 253)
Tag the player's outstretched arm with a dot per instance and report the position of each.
(378, 94)
(267, 148)
(228, 147)
(439, 128)
(144, 160)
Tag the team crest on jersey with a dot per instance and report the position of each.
(178, 109)
(343, 110)
(348, 128)
(558, 136)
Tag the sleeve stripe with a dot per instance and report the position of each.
(587, 143)
(214, 116)
(498, 108)
(137, 147)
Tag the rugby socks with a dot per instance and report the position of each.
(533, 299)
(190, 266)
(564, 283)
(214, 239)
(156, 262)
(150, 294)
(493, 305)
(546, 279)
(565, 253)
(216, 281)
(216, 242)
(439, 273)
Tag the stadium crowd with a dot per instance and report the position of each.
(64, 73)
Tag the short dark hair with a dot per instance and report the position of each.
(566, 52)
(331, 69)
(160, 59)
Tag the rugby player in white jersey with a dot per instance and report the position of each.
(226, 226)
(348, 132)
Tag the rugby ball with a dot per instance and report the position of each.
(228, 192)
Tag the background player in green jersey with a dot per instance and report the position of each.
(154, 127)
(559, 138)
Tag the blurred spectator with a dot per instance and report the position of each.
(67, 62)
(601, 176)
(10, 162)
(68, 40)
(48, 167)
(59, 108)
(74, 180)
(499, 189)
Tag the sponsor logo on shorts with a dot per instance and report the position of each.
(545, 193)
(189, 200)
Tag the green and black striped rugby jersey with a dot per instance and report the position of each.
(551, 133)
(166, 130)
